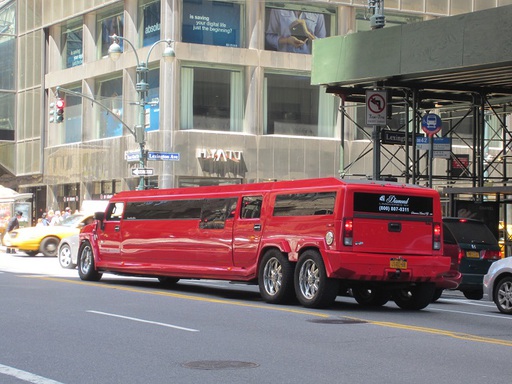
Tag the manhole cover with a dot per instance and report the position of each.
(219, 364)
(337, 321)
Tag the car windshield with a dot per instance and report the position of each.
(72, 221)
(472, 232)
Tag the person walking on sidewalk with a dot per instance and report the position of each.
(12, 225)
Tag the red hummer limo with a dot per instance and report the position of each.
(312, 239)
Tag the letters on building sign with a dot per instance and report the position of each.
(222, 155)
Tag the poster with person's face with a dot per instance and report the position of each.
(211, 22)
(289, 30)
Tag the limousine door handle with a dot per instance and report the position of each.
(117, 228)
(257, 227)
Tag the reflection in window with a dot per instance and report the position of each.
(7, 60)
(110, 92)
(295, 107)
(211, 99)
(150, 21)
(72, 44)
(8, 19)
(153, 109)
(7, 102)
(212, 23)
(108, 26)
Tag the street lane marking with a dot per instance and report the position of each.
(440, 332)
(182, 296)
(144, 321)
(503, 317)
(25, 376)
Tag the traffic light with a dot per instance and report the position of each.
(60, 110)
(52, 113)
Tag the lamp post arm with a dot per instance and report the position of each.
(168, 41)
(90, 98)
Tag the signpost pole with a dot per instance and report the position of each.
(430, 159)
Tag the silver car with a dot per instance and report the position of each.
(68, 251)
(498, 284)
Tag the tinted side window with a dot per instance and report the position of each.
(215, 212)
(305, 204)
(114, 212)
(163, 210)
(251, 207)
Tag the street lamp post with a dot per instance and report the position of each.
(142, 87)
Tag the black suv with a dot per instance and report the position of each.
(472, 248)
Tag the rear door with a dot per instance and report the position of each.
(392, 223)
(247, 232)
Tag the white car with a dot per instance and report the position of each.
(68, 251)
(498, 284)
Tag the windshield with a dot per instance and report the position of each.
(472, 232)
(72, 221)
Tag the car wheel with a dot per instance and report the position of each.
(414, 298)
(437, 294)
(312, 286)
(477, 294)
(86, 268)
(275, 278)
(503, 295)
(49, 246)
(65, 257)
(370, 297)
(32, 253)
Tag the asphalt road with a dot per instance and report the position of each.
(57, 329)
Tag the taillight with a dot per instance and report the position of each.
(348, 231)
(491, 255)
(436, 239)
(460, 255)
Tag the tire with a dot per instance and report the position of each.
(370, 297)
(32, 253)
(502, 295)
(275, 278)
(65, 257)
(437, 294)
(312, 286)
(414, 298)
(49, 246)
(474, 295)
(167, 281)
(86, 268)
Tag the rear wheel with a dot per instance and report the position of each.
(476, 294)
(86, 268)
(49, 246)
(312, 286)
(503, 295)
(370, 297)
(414, 298)
(437, 294)
(275, 278)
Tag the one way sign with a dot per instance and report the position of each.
(142, 171)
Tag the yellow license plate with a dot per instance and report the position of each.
(398, 263)
(473, 254)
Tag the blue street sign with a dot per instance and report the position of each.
(431, 123)
(163, 156)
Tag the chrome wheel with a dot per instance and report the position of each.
(273, 276)
(503, 295)
(85, 259)
(86, 268)
(309, 278)
(65, 259)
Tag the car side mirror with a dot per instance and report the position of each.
(100, 217)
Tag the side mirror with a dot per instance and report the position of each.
(100, 216)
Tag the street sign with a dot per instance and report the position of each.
(163, 156)
(442, 146)
(142, 171)
(431, 123)
(396, 137)
(132, 156)
(376, 107)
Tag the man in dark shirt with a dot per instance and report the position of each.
(12, 225)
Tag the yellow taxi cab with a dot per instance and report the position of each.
(45, 239)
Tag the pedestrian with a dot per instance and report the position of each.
(44, 219)
(12, 225)
(56, 219)
(67, 213)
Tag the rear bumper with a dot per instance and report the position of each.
(376, 268)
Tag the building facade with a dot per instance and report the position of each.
(234, 105)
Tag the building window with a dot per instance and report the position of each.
(149, 11)
(212, 22)
(212, 99)
(110, 92)
(292, 106)
(72, 52)
(109, 23)
(293, 27)
(153, 108)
